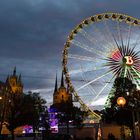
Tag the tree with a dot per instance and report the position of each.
(35, 110)
(69, 114)
(25, 109)
(129, 113)
(122, 87)
(14, 105)
(44, 123)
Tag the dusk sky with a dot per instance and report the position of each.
(33, 33)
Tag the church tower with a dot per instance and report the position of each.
(61, 94)
(15, 83)
(55, 94)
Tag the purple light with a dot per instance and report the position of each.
(53, 121)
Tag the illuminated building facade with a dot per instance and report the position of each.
(11, 87)
(15, 83)
(61, 94)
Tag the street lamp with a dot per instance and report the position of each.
(121, 101)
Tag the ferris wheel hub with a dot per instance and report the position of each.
(129, 60)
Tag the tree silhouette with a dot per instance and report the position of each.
(114, 113)
(25, 109)
(69, 114)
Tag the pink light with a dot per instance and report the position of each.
(25, 126)
(27, 129)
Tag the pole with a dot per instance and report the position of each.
(2, 119)
(122, 132)
(138, 124)
(4, 109)
(133, 125)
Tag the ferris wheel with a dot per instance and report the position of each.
(99, 49)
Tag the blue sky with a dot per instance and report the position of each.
(33, 33)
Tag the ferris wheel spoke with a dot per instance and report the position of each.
(118, 46)
(110, 34)
(130, 75)
(125, 72)
(87, 48)
(97, 41)
(85, 79)
(136, 77)
(93, 81)
(124, 34)
(100, 92)
(91, 89)
(87, 70)
(92, 39)
(135, 41)
(137, 66)
(80, 57)
(135, 55)
(107, 39)
(115, 40)
(104, 87)
(138, 74)
(128, 37)
(119, 33)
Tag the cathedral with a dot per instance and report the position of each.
(61, 94)
(10, 91)
(13, 84)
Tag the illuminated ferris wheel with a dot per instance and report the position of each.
(99, 49)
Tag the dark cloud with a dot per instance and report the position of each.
(33, 32)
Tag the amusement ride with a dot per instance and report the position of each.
(97, 51)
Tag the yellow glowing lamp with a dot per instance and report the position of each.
(121, 101)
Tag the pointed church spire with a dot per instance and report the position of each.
(7, 80)
(55, 90)
(62, 80)
(19, 79)
(14, 72)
